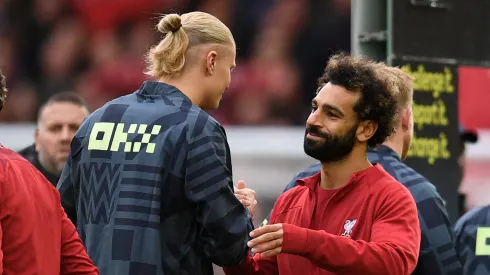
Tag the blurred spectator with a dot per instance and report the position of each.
(59, 56)
(466, 136)
(23, 100)
(58, 120)
(7, 55)
(96, 50)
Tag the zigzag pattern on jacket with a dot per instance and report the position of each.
(98, 195)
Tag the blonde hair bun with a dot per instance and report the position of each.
(170, 23)
(167, 59)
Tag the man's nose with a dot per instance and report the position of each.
(66, 134)
(313, 119)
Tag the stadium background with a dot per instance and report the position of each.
(95, 48)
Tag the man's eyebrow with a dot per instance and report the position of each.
(329, 107)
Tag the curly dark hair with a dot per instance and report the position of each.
(3, 90)
(377, 103)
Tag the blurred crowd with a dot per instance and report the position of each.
(96, 49)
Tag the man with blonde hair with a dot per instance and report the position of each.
(437, 252)
(149, 174)
(351, 217)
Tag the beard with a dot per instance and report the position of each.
(332, 148)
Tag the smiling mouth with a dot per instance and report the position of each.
(313, 136)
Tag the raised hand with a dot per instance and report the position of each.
(246, 196)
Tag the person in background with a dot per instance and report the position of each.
(36, 236)
(351, 217)
(149, 175)
(472, 238)
(57, 122)
(472, 230)
(437, 254)
(467, 136)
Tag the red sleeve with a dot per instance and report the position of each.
(2, 216)
(257, 264)
(1, 252)
(74, 258)
(254, 265)
(393, 249)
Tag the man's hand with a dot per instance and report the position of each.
(267, 240)
(246, 196)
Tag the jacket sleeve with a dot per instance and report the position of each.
(225, 222)
(74, 258)
(256, 265)
(1, 252)
(67, 192)
(437, 250)
(3, 213)
(393, 248)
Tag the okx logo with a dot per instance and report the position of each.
(103, 139)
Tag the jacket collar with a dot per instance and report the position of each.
(385, 151)
(157, 88)
(312, 182)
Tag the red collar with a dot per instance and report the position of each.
(312, 182)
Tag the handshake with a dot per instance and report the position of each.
(246, 196)
(267, 240)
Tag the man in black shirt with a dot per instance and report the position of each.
(57, 122)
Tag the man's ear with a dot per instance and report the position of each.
(366, 129)
(36, 140)
(406, 116)
(211, 62)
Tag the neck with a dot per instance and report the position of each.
(395, 143)
(336, 174)
(186, 87)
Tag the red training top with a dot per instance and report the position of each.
(36, 237)
(369, 226)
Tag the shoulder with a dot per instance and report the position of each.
(404, 173)
(199, 123)
(9, 157)
(396, 168)
(13, 162)
(386, 188)
(391, 200)
(479, 216)
(421, 189)
(381, 180)
(14, 165)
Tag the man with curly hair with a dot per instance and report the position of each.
(437, 255)
(352, 217)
